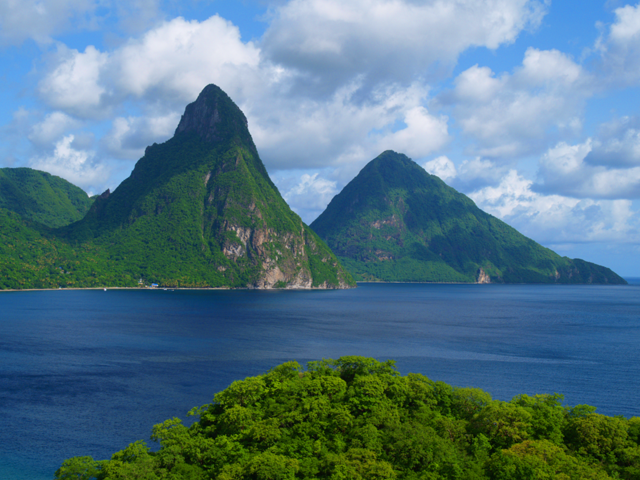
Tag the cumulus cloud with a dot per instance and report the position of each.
(74, 86)
(329, 41)
(620, 47)
(310, 194)
(129, 136)
(478, 172)
(294, 132)
(442, 168)
(558, 219)
(172, 62)
(470, 175)
(618, 144)
(424, 134)
(563, 169)
(514, 114)
(53, 127)
(72, 164)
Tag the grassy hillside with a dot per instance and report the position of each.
(395, 222)
(357, 419)
(42, 197)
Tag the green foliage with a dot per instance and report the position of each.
(395, 222)
(42, 197)
(357, 418)
(79, 468)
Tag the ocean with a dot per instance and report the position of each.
(86, 372)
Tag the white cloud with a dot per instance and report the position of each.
(129, 136)
(478, 172)
(295, 132)
(618, 144)
(620, 48)
(76, 166)
(74, 85)
(563, 169)
(331, 41)
(52, 128)
(564, 161)
(309, 194)
(171, 63)
(515, 114)
(441, 167)
(558, 219)
(179, 58)
(470, 175)
(423, 135)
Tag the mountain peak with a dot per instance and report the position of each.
(396, 222)
(213, 116)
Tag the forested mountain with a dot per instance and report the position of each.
(357, 419)
(42, 197)
(396, 222)
(197, 211)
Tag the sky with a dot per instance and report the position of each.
(529, 107)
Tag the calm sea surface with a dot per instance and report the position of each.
(88, 372)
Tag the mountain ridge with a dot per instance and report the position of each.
(200, 210)
(396, 222)
(41, 197)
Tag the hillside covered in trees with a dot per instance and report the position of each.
(41, 197)
(394, 222)
(356, 418)
(198, 210)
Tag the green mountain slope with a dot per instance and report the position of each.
(42, 197)
(32, 257)
(395, 222)
(197, 211)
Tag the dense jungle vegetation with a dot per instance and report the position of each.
(394, 222)
(357, 418)
(41, 197)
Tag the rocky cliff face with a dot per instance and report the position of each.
(483, 277)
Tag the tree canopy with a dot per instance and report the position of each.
(357, 418)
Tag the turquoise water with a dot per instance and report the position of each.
(87, 372)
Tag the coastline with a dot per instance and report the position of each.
(119, 288)
(631, 281)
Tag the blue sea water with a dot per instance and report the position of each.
(88, 372)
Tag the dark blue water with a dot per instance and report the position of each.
(87, 372)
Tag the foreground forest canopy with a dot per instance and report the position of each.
(357, 418)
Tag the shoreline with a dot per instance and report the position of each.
(117, 288)
(310, 289)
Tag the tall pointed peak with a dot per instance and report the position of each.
(213, 116)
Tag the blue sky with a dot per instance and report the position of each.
(530, 107)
